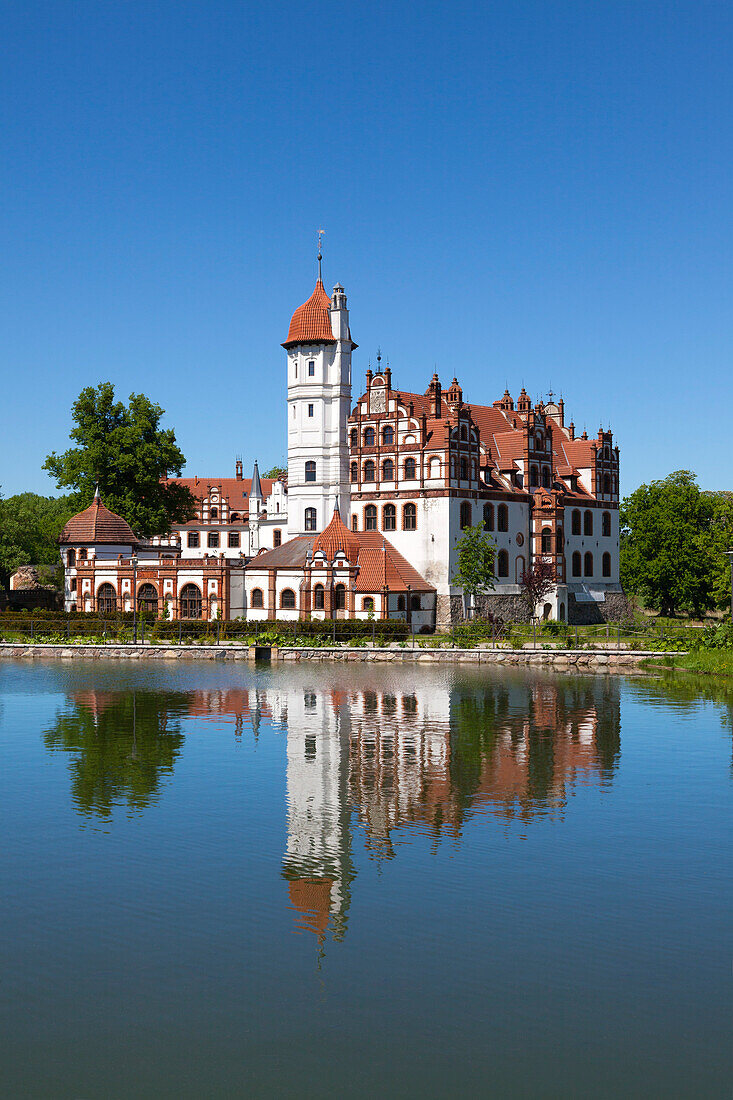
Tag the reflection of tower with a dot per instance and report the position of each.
(317, 861)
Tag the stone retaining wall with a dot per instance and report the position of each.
(607, 660)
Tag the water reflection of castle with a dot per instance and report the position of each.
(386, 760)
(379, 762)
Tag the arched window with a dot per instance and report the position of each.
(546, 540)
(339, 597)
(560, 540)
(369, 437)
(318, 597)
(214, 513)
(502, 517)
(400, 603)
(388, 470)
(370, 517)
(533, 480)
(147, 599)
(354, 471)
(545, 477)
(369, 470)
(588, 564)
(464, 433)
(465, 515)
(287, 599)
(575, 522)
(464, 469)
(354, 522)
(234, 517)
(310, 519)
(606, 524)
(502, 560)
(409, 469)
(277, 537)
(256, 598)
(189, 602)
(106, 599)
(353, 437)
(607, 484)
(606, 565)
(387, 438)
(409, 517)
(389, 517)
(310, 471)
(368, 604)
(576, 564)
(489, 517)
(434, 467)
(71, 557)
(519, 569)
(588, 523)
(539, 441)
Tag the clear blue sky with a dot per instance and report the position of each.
(536, 194)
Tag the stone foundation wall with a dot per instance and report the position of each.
(607, 660)
(614, 608)
(511, 608)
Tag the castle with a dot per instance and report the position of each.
(367, 520)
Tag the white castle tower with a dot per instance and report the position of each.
(319, 347)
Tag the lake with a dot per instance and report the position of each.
(362, 881)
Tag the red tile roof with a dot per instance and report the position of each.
(96, 524)
(235, 490)
(380, 564)
(311, 322)
(337, 537)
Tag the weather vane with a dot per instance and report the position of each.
(320, 254)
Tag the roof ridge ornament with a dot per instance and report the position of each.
(320, 254)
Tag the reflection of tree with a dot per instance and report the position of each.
(121, 744)
(519, 747)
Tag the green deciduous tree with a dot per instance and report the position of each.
(30, 526)
(123, 449)
(475, 571)
(276, 471)
(667, 553)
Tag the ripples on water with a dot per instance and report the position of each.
(506, 883)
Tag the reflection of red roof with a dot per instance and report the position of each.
(96, 524)
(311, 897)
(311, 322)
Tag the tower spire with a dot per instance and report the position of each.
(320, 254)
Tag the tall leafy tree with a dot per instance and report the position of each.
(124, 450)
(30, 526)
(475, 571)
(667, 556)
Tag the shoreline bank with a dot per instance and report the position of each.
(607, 660)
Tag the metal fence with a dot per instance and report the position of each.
(77, 629)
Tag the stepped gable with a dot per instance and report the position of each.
(236, 491)
(337, 537)
(96, 524)
(311, 322)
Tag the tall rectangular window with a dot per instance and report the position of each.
(233, 538)
(193, 539)
(311, 368)
(310, 410)
(213, 541)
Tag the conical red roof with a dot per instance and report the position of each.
(311, 322)
(337, 537)
(97, 524)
